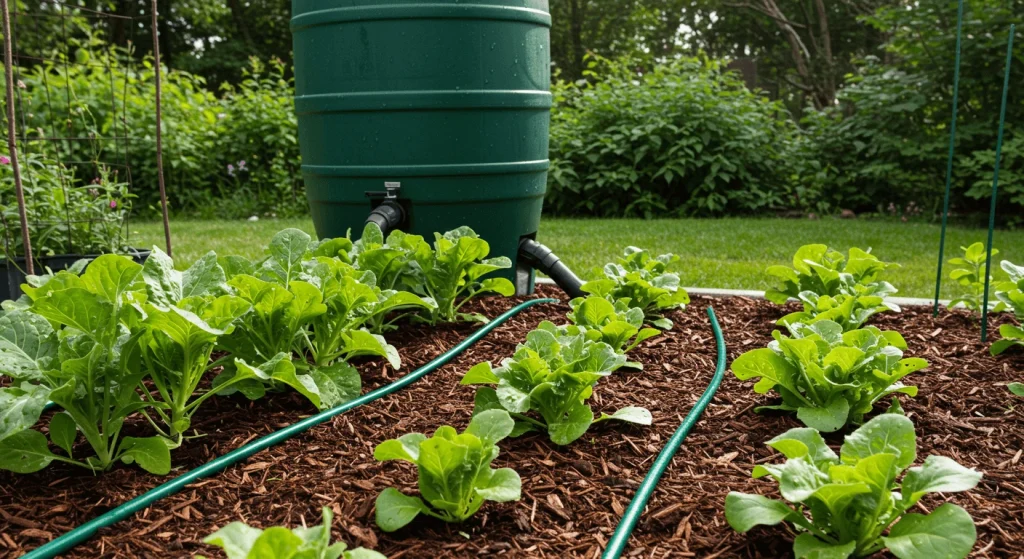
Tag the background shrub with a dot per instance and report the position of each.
(686, 138)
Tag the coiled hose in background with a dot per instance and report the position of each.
(617, 545)
(85, 531)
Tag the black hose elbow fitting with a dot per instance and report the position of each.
(544, 260)
(389, 215)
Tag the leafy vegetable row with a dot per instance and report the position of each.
(120, 339)
(832, 371)
(543, 387)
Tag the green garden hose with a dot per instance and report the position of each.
(617, 545)
(78, 535)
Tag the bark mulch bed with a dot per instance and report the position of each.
(573, 496)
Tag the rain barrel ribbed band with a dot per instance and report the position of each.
(420, 11)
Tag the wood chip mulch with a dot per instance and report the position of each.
(573, 496)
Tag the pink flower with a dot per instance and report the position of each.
(4, 160)
(113, 204)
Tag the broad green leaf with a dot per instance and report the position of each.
(63, 431)
(630, 414)
(491, 426)
(503, 486)
(828, 419)
(767, 365)
(236, 539)
(570, 426)
(275, 543)
(77, 308)
(806, 546)
(481, 373)
(1017, 389)
(395, 510)
(799, 480)
(337, 384)
(743, 511)
(947, 532)
(25, 452)
(406, 447)
(887, 433)
(938, 474)
(111, 275)
(28, 346)
(151, 454)
(486, 399)
(801, 442)
(20, 407)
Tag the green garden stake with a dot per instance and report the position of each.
(995, 184)
(952, 149)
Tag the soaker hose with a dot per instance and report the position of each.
(617, 545)
(85, 531)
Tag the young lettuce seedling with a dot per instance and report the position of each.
(644, 283)
(240, 541)
(855, 505)
(822, 271)
(828, 377)
(455, 474)
(617, 325)
(453, 273)
(552, 376)
(970, 274)
(1011, 292)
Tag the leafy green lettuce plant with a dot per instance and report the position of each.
(644, 283)
(185, 313)
(969, 274)
(455, 474)
(75, 350)
(390, 260)
(617, 325)
(453, 273)
(828, 377)
(852, 505)
(552, 376)
(844, 289)
(820, 270)
(1011, 292)
(241, 541)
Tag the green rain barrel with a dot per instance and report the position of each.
(449, 98)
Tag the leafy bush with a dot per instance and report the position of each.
(687, 138)
(231, 156)
(65, 215)
(455, 474)
(828, 377)
(833, 287)
(969, 275)
(642, 282)
(854, 498)
(552, 376)
(241, 541)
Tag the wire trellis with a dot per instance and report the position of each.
(53, 134)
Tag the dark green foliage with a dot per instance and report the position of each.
(684, 139)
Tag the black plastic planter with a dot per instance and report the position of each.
(11, 288)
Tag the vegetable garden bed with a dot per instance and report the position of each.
(572, 496)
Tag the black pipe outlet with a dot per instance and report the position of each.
(544, 260)
(389, 215)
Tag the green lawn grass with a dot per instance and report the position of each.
(721, 253)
